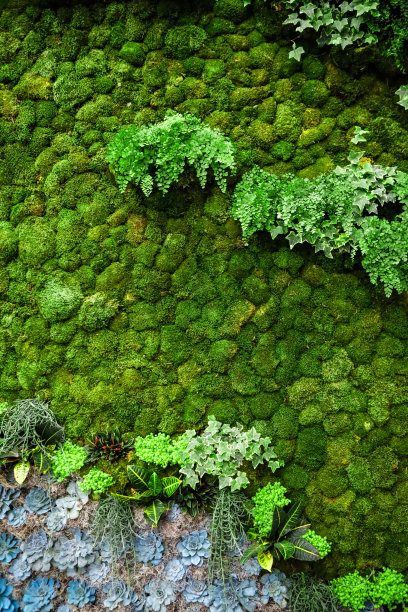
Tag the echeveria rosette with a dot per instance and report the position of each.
(252, 567)
(174, 514)
(174, 570)
(117, 593)
(9, 548)
(37, 551)
(7, 603)
(159, 594)
(233, 596)
(149, 549)
(38, 501)
(57, 519)
(194, 548)
(16, 516)
(275, 587)
(196, 591)
(6, 499)
(80, 593)
(21, 569)
(75, 553)
(64, 608)
(37, 597)
(97, 572)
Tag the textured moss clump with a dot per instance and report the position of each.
(58, 301)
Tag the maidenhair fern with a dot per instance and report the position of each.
(157, 154)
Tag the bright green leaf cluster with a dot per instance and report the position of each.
(157, 154)
(221, 450)
(160, 449)
(265, 500)
(96, 480)
(320, 542)
(67, 459)
(386, 588)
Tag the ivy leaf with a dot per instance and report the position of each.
(308, 9)
(303, 25)
(292, 19)
(296, 52)
(359, 135)
(355, 156)
(402, 92)
(340, 24)
(293, 239)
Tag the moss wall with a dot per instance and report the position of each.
(149, 313)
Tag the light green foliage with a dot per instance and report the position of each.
(402, 93)
(167, 147)
(382, 588)
(160, 449)
(97, 481)
(67, 459)
(320, 542)
(266, 499)
(220, 451)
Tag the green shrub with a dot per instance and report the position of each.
(265, 502)
(320, 542)
(97, 481)
(386, 588)
(160, 449)
(157, 154)
(67, 459)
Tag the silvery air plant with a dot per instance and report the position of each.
(149, 549)
(38, 501)
(160, 593)
(194, 548)
(196, 591)
(7, 603)
(117, 593)
(16, 516)
(37, 597)
(80, 593)
(6, 499)
(9, 548)
(174, 570)
(74, 553)
(275, 587)
(234, 596)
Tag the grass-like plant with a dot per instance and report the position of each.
(310, 594)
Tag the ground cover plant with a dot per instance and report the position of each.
(148, 315)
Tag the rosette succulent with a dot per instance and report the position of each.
(174, 514)
(7, 603)
(118, 593)
(38, 501)
(63, 608)
(160, 593)
(252, 567)
(97, 572)
(275, 587)
(72, 503)
(174, 570)
(36, 550)
(234, 596)
(196, 591)
(21, 569)
(149, 549)
(37, 597)
(57, 519)
(80, 593)
(16, 516)
(6, 499)
(194, 548)
(9, 548)
(74, 553)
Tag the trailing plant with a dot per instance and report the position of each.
(285, 539)
(97, 481)
(67, 459)
(320, 542)
(160, 449)
(310, 594)
(157, 154)
(386, 588)
(29, 433)
(265, 501)
(229, 522)
(221, 450)
(108, 445)
(147, 486)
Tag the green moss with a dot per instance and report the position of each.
(133, 53)
(96, 312)
(311, 447)
(232, 10)
(314, 93)
(313, 68)
(359, 475)
(58, 300)
(183, 41)
(287, 124)
(70, 90)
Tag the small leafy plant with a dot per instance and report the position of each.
(160, 449)
(108, 445)
(386, 588)
(157, 154)
(320, 542)
(97, 481)
(147, 486)
(265, 500)
(284, 540)
(67, 459)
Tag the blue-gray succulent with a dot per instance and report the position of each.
(38, 501)
(74, 553)
(97, 571)
(6, 499)
(16, 516)
(7, 603)
(252, 567)
(117, 593)
(160, 593)
(149, 549)
(64, 608)
(21, 569)
(37, 551)
(194, 548)
(37, 597)
(174, 514)
(275, 587)
(9, 548)
(57, 519)
(234, 596)
(196, 591)
(80, 593)
(174, 570)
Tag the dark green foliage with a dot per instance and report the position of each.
(310, 594)
(109, 445)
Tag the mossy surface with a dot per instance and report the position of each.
(148, 314)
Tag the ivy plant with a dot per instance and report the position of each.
(402, 93)
(156, 155)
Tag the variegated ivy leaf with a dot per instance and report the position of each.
(308, 9)
(296, 52)
(359, 135)
(402, 92)
(239, 482)
(224, 481)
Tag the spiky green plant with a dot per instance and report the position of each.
(310, 594)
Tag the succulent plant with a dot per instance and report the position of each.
(73, 502)
(118, 593)
(9, 548)
(38, 501)
(174, 570)
(160, 593)
(7, 603)
(233, 596)
(252, 567)
(80, 593)
(57, 519)
(73, 554)
(174, 514)
(21, 569)
(63, 608)
(74, 490)
(37, 597)
(97, 572)
(16, 516)
(36, 550)
(149, 549)
(6, 499)
(196, 591)
(274, 587)
(194, 548)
